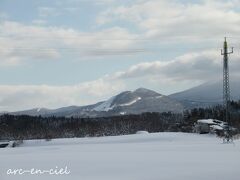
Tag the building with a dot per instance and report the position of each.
(204, 126)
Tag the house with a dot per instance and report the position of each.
(204, 126)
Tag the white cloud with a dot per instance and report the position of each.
(209, 18)
(31, 42)
(192, 66)
(19, 97)
(182, 72)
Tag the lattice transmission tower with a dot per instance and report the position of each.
(226, 87)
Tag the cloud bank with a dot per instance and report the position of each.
(195, 67)
(20, 43)
(192, 19)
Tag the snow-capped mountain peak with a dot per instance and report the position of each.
(143, 100)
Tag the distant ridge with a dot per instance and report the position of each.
(144, 100)
(207, 94)
(128, 102)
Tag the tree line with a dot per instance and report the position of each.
(30, 127)
(22, 127)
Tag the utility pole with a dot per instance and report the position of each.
(226, 87)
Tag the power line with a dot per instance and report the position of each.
(104, 39)
(84, 48)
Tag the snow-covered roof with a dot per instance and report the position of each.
(210, 121)
(216, 127)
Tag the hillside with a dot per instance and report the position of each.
(206, 94)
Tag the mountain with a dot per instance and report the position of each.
(139, 101)
(145, 100)
(207, 94)
(64, 111)
(128, 102)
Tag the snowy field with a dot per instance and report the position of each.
(158, 156)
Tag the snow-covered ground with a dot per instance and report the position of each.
(158, 156)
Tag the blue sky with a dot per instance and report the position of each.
(76, 52)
